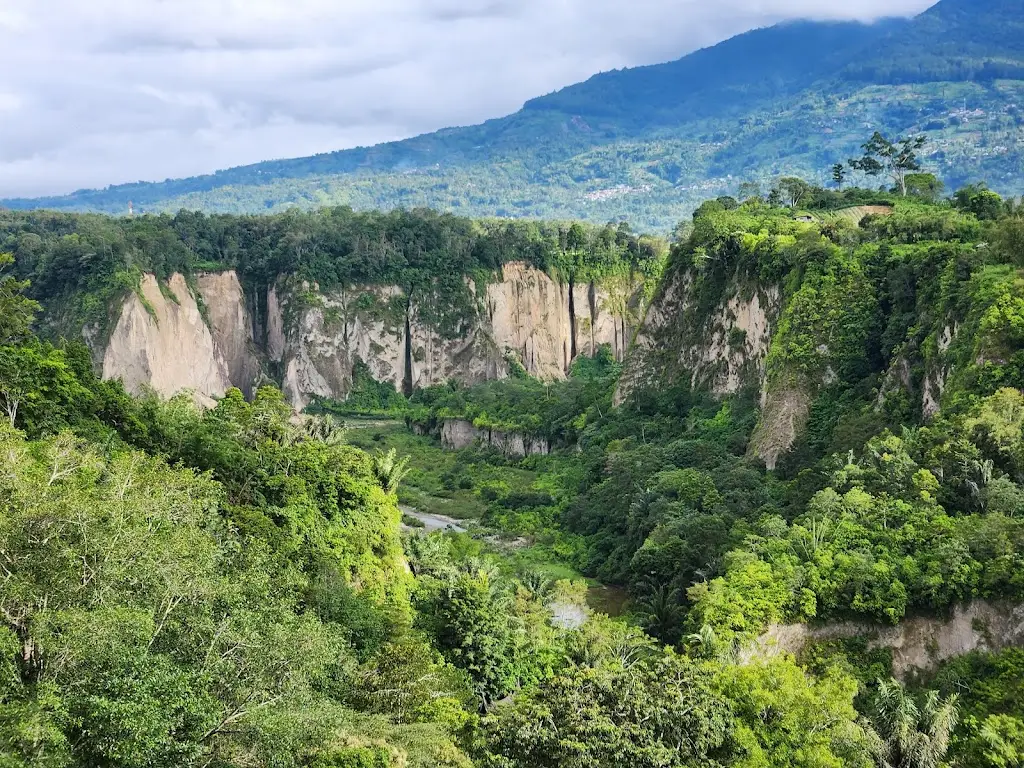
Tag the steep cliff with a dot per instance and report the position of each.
(162, 341)
(916, 643)
(526, 317)
(317, 340)
(720, 345)
(459, 433)
(224, 305)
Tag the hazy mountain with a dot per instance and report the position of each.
(648, 143)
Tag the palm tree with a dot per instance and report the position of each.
(906, 735)
(537, 584)
(324, 429)
(662, 614)
(390, 470)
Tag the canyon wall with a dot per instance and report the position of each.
(459, 433)
(162, 342)
(722, 348)
(718, 342)
(202, 338)
(916, 643)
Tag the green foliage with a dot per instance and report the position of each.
(910, 733)
(787, 718)
(895, 159)
(142, 630)
(227, 586)
(79, 265)
(16, 310)
(558, 412)
(656, 712)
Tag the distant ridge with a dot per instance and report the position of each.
(647, 144)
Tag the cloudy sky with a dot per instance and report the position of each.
(95, 92)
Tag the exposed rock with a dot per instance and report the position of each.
(722, 352)
(741, 333)
(931, 394)
(169, 350)
(332, 333)
(319, 338)
(275, 326)
(646, 364)
(916, 643)
(935, 379)
(784, 412)
(528, 315)
(433, 359)
(898, 377)
(459, 433)
(231, 327)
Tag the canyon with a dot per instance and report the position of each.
(205, 335)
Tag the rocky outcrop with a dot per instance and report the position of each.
(722, 350)
(275, 326)
(459, 433)
(916, 643)
(225, 308)
(161, 341)
(935, 378)
(784, 411)
(526, 317)
(331, 333)
(316, 341)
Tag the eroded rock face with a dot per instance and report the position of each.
(231, 327)
(168, 349)
(334, 332)
(784, 411)
(722, 352)
(459, 433)
(317, 340)
(916, 643)
(528, 315)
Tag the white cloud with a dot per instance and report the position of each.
(103, 92)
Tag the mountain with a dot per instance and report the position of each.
(647, 144)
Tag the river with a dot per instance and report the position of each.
(433, 523)
(600, 597)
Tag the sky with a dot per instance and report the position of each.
(96, 92)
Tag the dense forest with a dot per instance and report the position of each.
(84, 263)
(234, 586)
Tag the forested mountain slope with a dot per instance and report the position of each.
(649, 144)
(228, 586)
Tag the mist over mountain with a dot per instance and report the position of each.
(647, 144)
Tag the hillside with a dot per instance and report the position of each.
(648, 144)
(801, 488)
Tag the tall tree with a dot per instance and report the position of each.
(16, 310)
(794, 190)
(894, 159)
(839, 175)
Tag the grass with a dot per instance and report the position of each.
(449, 483)
(440, 482)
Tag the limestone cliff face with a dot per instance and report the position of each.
(526, 316)
(916, 643)
(315, 341)
(231, 327)
(459, 433)
(162, 341)
(328, 334)
(722, 350)
(718, 340)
